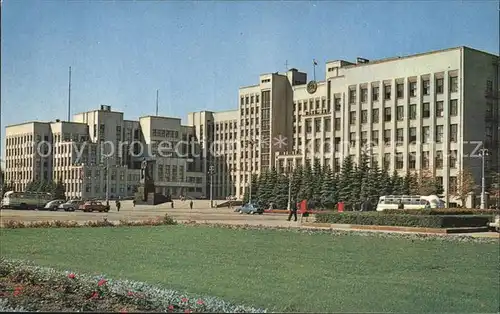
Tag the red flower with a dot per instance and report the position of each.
(123, 311)
(170, 308)
(101, 282)
(71, 276)
(200, 302)
(187, 311)
(130, 293)
(95, 295)
(184, 300)
(17, 291)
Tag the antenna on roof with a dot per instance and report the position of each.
(69, 95)
(157, 91)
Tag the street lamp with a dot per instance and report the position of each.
(211, 172)
(484, 152)
(289, 206)
(250, 143)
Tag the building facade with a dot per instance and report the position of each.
(431, 111)
(99, 154)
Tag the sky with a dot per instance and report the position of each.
(197, 54)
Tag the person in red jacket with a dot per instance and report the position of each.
(340, 206)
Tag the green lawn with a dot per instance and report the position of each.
(285, 271)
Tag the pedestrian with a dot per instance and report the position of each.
(118, 205)
(191, 204)
(172, 204)
(133, 203)
(340, 206)
(401, 205)
(292, 211)
(366, 206)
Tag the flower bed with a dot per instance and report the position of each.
(159, 221)
(25, 287)
(385, 219)
(443, 211)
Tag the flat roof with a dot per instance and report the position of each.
(27, 122)
(160, 117)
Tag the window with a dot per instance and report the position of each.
(425, 160)
(387, 114)
(337, 104)
(387, 136)
(364, 95)
(426, 133)
(439, 159)
(317, 125)
(375, 139)
(453, 107)
(352, 96)
(337, 124)
(399, 137)
(387, 160)
(400, 113)
(489, 86)
(328, 124)
(426, 110)
(413, 89)
(352, 138)
(364, 116)
(308, 126)
(439, 85)
(412, 161)
(364, 138)
(337, 144)
(439, 109)
(412, 111)
(399, 160)
(326, 145)
(375, 93)
(352, 117)
(453, 84)
(412, 135)
(453, 133)
(426, 87)
(375, 115)
(387, 92)
(400, 90)
(439, 133)
(453, 159)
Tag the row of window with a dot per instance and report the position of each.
(249, 99)
(400, 90)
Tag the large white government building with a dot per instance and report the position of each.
(425, 111)
(80, 154)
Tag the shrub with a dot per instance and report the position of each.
(442, 211)
(159, 221)
(408, 220)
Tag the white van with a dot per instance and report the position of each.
(409, 202)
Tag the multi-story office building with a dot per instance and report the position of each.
(100, 153)
(425, 111)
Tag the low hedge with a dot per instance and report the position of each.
(443, 211)
(424, 221)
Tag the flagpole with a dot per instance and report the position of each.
(314, 69)
(157, 91)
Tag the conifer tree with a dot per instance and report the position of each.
(346, 179)
(318, 177)
(306, 189)
(280, 192)
(296, 183)
(328, 189)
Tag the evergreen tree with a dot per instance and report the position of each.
(397, 184)
(363, 176)
(255, 186)
(328, 189)
(318, 176)
(385, 183)
(59, 190)
(307, 183)
(280, 192)
(347, 178)
(263, 191)
(373, 187)
(296, 183)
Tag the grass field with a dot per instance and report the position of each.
(285, 271)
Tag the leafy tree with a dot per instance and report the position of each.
(465, 185)
(428, 184)
(255, 189)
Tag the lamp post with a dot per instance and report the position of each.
(484, 152)
(289, 206)
(251, 143)
(211, 172)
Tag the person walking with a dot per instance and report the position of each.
(293, 211)
(133, 203)
(366, 206)
(401, 205)
(118, 205)
(191, 204)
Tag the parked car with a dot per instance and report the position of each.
(251, 209)
(71, 205)
(91, 206)
(53, 205)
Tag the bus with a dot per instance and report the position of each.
(409, 202)
(25, 200)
